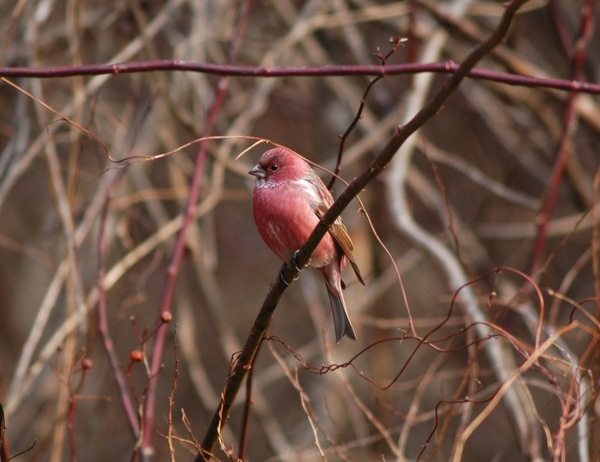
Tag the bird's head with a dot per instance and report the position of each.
(279, 165)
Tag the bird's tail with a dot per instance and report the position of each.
(341, 321)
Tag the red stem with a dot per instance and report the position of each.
(569, 119)
(172, 272)
(70, 425)
(173, 269)
(561, 29)
(107, 343)
(413, 42)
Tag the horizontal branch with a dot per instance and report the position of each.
(447, 67)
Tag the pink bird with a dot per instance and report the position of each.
(289, 199)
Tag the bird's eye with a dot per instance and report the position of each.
(274, 167)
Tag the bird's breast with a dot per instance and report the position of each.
(285, 219)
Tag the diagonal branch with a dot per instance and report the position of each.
(289, 272)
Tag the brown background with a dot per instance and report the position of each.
(508, 135)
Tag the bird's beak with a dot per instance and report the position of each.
(258, 172)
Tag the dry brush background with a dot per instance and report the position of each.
(512, 374)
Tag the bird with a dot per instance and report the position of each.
(288, 201)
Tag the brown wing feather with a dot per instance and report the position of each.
(340, 234)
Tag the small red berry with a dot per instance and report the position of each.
(166, 317)
(87, 363)
(136, 355)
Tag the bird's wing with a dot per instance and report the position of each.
(340, 234)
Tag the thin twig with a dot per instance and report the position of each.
(247, 408)
(358, 116)
(506, 386)
(107, 343)
(172, 396)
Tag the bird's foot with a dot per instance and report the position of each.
(282, 277)
(295, 262)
